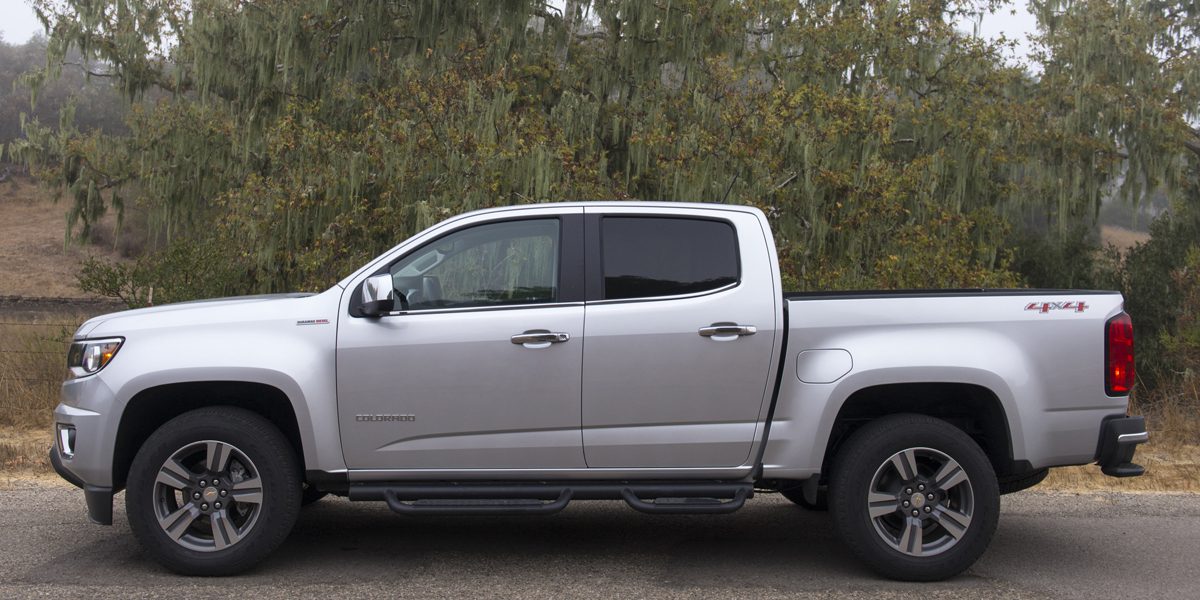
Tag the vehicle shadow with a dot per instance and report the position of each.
(770, 544)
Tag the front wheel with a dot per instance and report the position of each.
(914, 497)
(213, 491)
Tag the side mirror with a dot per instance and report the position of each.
(378, 296)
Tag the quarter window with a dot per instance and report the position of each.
(497, 264)
(648, 257)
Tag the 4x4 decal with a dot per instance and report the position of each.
(1045, 307)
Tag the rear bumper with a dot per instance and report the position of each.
(1119, 438)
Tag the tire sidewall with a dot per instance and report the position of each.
(855, 467)
(277, 468)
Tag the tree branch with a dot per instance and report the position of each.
(86, 70)
(1194, 143)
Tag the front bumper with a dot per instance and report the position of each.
(1119, 438)
(87, 406)
(99, 499)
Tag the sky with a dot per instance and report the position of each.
(17, 21)
(1014, 21)
(18, 24)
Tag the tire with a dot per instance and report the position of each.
(247, 505)
(796, 495)
(310, 495)
(892, 466)
(1021, 481)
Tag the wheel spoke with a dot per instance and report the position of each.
(906, 464)
(248, 491)
(217, 457)
(912, 538)
(880, 504)
(177, 522)
(174, 475)
(224, 532)
(950, 475)
(954, 522)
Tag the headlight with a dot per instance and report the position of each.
(89, 356)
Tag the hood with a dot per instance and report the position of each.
(156, 314)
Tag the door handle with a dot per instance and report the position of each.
(727, 331)
(539, 338)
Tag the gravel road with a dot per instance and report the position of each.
(1049, 545)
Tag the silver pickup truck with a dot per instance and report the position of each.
(510, 361)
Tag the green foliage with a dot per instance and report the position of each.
(312, 135)
(1159, 290)
(185, 270)
(95, 105)
(1072, 260)
(1182, 347)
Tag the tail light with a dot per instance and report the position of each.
(1118, 355)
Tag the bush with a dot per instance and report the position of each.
(185, 270)
(1158, 282)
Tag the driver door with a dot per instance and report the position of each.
(449, 383)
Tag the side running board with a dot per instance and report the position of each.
(685, 505)
(709, 498)
(469, 506)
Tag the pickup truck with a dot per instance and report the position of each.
(512, 360)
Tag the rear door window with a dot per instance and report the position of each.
(647, 257)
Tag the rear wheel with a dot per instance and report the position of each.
(213, 491)
(914, 497)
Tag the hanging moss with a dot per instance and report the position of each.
(887, 147)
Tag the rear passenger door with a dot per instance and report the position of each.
(680, 326)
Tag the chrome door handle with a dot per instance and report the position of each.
(539, 338)
(727, 331)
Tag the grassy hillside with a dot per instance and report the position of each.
(34, 258)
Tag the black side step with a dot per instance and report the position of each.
(468, 506)
(546, 498)
(687, 505)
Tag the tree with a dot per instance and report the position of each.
(94, 104)
(888, 148)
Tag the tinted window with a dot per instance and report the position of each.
(645, 257)
(513, 262)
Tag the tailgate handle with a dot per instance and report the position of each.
(727, 331)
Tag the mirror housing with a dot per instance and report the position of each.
(378, 296)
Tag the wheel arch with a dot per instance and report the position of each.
(973, 408)
(151, 407)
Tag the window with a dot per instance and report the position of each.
(647, 257)
(498, 264)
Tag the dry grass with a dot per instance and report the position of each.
(1171, 457)
(34, 261)
(1122, 238)
(32, 365)
(24, 453)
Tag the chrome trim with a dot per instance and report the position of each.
(723, 330)
(440, 311)
(65, 447)
(661, 298)
(540, 337)
(1133, 438)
